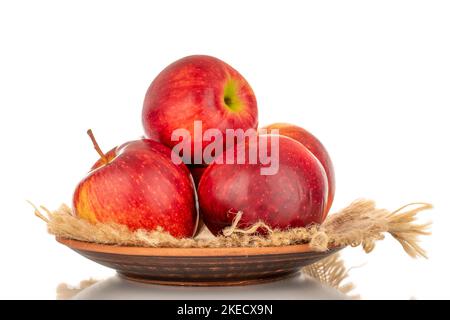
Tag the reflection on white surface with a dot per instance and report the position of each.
(299, 287)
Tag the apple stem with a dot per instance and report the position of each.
(96, 146)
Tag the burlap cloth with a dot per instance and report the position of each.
(359, 224)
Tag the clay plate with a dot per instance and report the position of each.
(200, 266)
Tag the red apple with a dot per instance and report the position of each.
(137, 185)
(316, 147)
(201, 88)
(293, 197)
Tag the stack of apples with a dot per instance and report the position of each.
(144, 184)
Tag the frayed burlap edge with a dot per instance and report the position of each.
(66, 292)
(359, 224)
(331, 271)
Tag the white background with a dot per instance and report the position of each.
(371, 79)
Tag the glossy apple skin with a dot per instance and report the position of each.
(293, 197)
(318, 150)
(139, 187)
(194, 88)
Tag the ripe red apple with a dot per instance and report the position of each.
(318, 150)
(201, 88)
(137, 184)
(293, 197)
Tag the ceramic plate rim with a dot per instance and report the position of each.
(185, 252)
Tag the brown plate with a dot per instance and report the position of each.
(200, 266)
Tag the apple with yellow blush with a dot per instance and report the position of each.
(137, 185)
